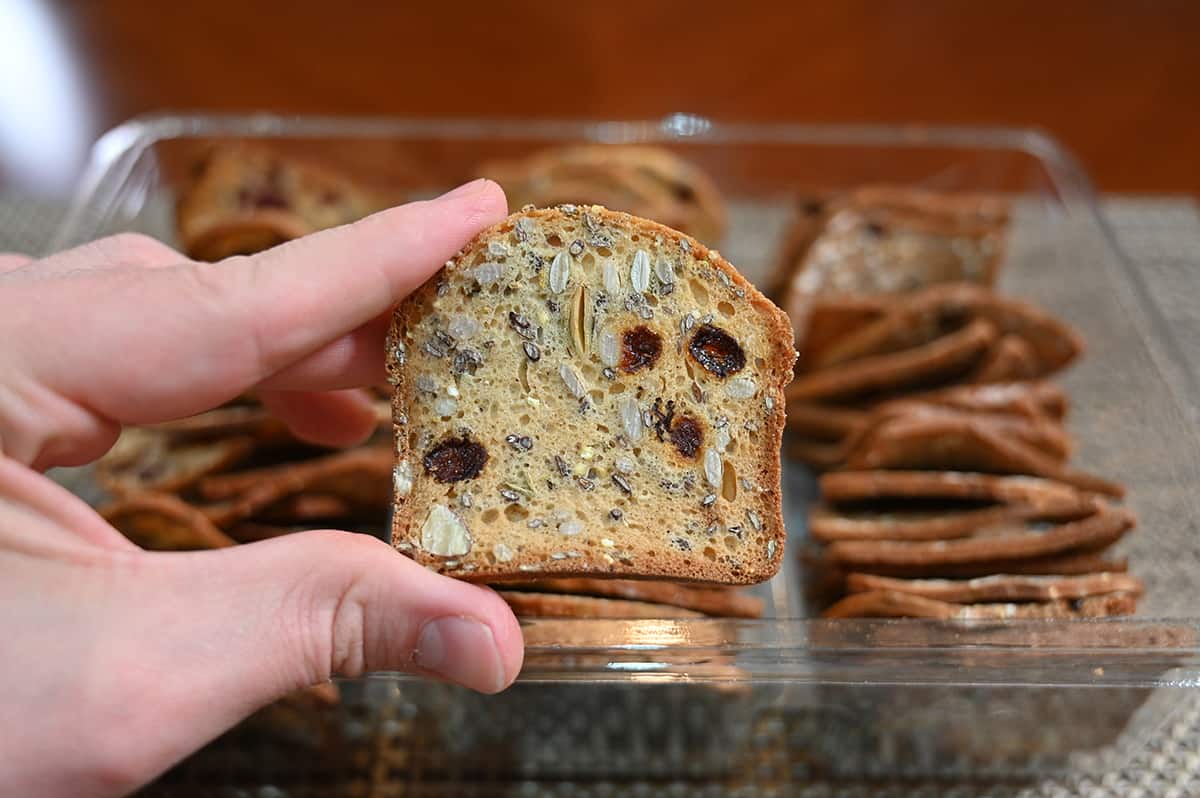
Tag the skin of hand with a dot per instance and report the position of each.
(118, 662)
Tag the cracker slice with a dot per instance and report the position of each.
(1001, 587)
(829, 525)
(162, 522)
(891, 604)
(940, 359)
(1101, 529)
(559, 605)
(964, 445)
(716, 601)
(149, 460)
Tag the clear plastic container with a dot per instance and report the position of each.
(788, 698)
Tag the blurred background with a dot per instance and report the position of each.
(1117, 82)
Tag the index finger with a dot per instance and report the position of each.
(218, 329)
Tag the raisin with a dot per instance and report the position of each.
(640, 348)
(686, 436)
(455, 459)
(717, 351)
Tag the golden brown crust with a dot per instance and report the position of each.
(698, 561)
(558, 605)
(719, 601)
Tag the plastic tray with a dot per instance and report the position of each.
(787, 697)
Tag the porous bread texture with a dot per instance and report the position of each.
(584, 392)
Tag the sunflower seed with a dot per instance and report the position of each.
(610, 348)
(612, 278)
(755, 521)
(445, 406)
(524, 228)
(568, 209)
(465, 500)
(665, 271)
(721, 439)
(560, 272)
(713, 467)
(631, 419)
(639, 273)
(531, 351)
(561, 465)
(626, 465)
(510, 495)
(573, 381)
(400, 353)
(586, 483)
(521, 325)
(426, 384)
(770, 549)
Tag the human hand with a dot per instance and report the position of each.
(118, 662)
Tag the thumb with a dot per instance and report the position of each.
(237, 628)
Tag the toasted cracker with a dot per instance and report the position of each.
(717, 601)
(960, 444)
(162, 522)
(828, 525)
(1001, 587)
(1070, 564)
(1035, 399)
(1101, 529)
(558, 605)
(904, 418)
(359, 478)
(925, 316)
(822, 421)
(150, 460)
(937, 360)
(858, 486)
(891, 604)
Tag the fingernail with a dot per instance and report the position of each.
(466, 189)
(462, 650)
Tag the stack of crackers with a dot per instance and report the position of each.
(923, 392)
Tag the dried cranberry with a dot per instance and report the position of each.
(687, 436)
(640, 348)
(456, 459)
(717, 351)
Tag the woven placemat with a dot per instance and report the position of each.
(1161, 238)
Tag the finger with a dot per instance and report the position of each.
(62, 519)
(261, 620)
(334, 418)
(218, 329)
(352, 360)
(11, 261)
(112, 252)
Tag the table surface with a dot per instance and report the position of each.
(1117, 82)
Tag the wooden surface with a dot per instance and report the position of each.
(1117, 82)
